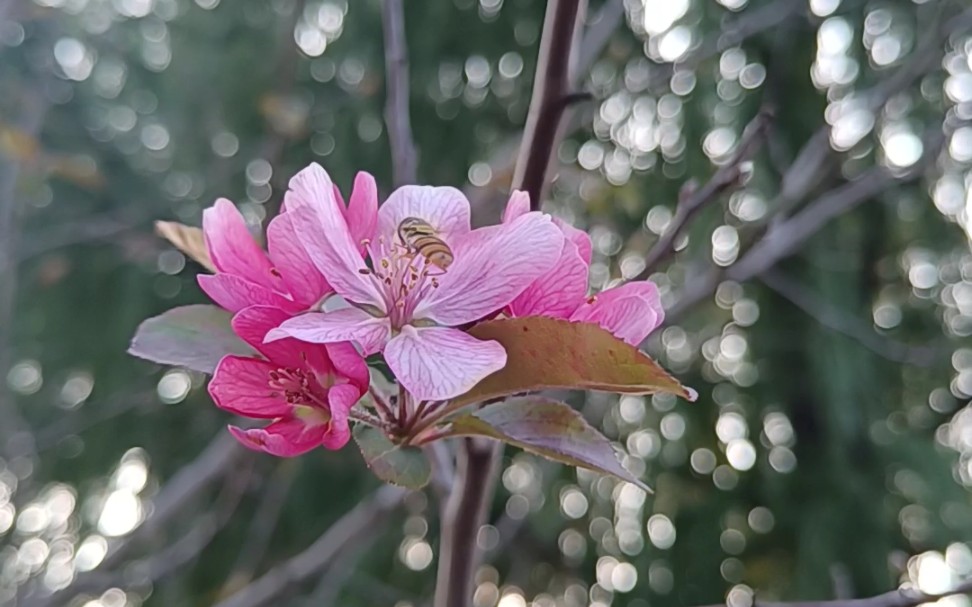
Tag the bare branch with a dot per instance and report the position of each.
(464, 514)
(831, 317)
(15, 436)
(404, 161)
(734, 33)
(727, 177)
(785, 238)
(903, 597)
(262, 525)
(550, 88)
(465, 510)
(214, 461)
(603, 25)
(355, 526)
(189, 481)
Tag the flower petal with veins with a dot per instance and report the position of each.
(438, 363)
(490, 271)
(348, 324)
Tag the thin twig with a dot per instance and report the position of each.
(902, 597)
(727, 177)
(550, 87)
(785, 238)
(596, 37)
(831, 317)
(263, 523)
(734, 33)
(16, 439)
(381, 404)
(214, 461)
(404, 161)
(356, 526)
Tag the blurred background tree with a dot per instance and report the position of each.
(823, 309)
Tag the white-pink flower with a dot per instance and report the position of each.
(402, 305)
(630, 312)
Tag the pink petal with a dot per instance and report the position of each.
(235, 293)
(285, 438)
(349, 324)
(580, 238)
(241, 385)
(252, 325)
(318, 219)
(303, 280)
(341, 399)
(630, 312)
(232, 248)
(490, 271)
(445, 208)
(438, 363)
(362, 211)
(348, 363)
(518, 204)
(558, 292)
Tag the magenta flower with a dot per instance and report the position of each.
(307, 390)
(284, 277)
(405, 306)
(630, 312)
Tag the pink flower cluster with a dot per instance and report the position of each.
(337, 284)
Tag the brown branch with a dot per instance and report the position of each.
(215, 461)
(902, 597)
(729, 176)
(464, 514)
(264, 521)
(596, 37)
(404, 162)
(734, 33)
(550, 87)
(478, 460)
(834, 319)
(785, 237)
(354, 527)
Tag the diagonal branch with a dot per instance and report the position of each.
(404, 161)
(214, 462)
(834, 319)
(355, 526)
(467, 505)
(729, 176)
(786, 237)
(551, 88)
(902, 597)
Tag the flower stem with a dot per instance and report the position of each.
(384, 409)
(402, 406)
(366, 418)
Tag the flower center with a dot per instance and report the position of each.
(405, 276)
(302, 390)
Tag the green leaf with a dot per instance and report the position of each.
(403, 466)
(548, 428)
(196, 337)
(544, 353)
